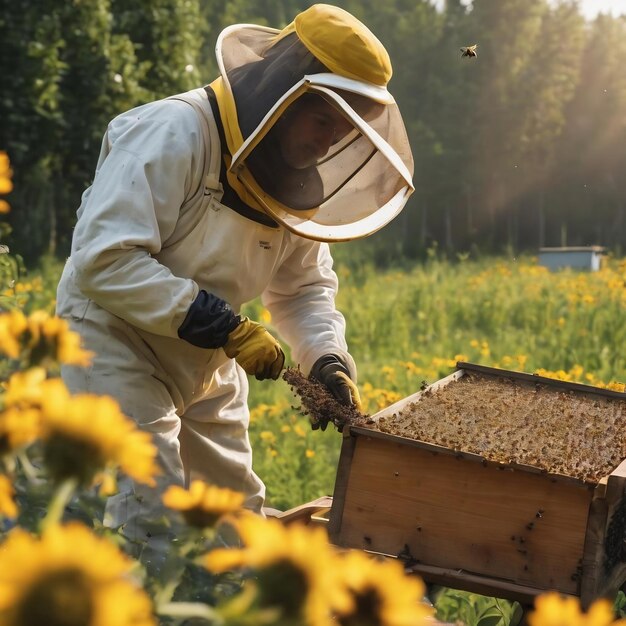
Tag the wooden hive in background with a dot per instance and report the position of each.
(458, 519)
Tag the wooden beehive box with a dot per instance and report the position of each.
(464, 520)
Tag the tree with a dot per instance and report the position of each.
(590, 187)
(72, 67)
(544, 90)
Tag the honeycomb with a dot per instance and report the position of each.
(506, 420)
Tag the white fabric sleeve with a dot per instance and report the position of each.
(130, 210)
(301, 301)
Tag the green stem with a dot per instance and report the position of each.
(29, 468)
(61, 497)
(190, 609)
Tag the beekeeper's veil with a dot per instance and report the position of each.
(364, 180)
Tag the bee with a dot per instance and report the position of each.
(469, 51)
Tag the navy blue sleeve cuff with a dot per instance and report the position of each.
(208, 322)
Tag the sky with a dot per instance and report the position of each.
(589, 8)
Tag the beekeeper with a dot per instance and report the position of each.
(206, 200)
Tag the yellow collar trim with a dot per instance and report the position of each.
(228, 114)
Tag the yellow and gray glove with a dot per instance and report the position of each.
(335, 376)
(255, 349)
(211, 323)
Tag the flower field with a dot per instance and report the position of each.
(412, 326)
(62, 455)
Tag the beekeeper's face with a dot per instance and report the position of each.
(308, 129)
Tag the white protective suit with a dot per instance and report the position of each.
(152, 233)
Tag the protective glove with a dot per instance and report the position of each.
(255, 349)
(211, 323)
(331, 372)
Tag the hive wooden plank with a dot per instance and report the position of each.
(608, 573)
(487, 586)
(593, 551)
(304, 512)
(453, 512)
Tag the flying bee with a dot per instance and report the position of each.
(469, 51)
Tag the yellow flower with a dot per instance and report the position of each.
(268, 436)
(309, 453)
(86, 433)
(69, 350)
(389, 373)
(68, 576)
(20, 421)
(43, 335)
(52, 335)
(558, 375)
(12, 325)
(18, 428)
(381, 594)
(576, 372)
(106, 481)
(5, 207)
(6, 186)
(294, 568)
(8, 508)
(551, 609)
(25, 389)
(202, 505)
(616, 386)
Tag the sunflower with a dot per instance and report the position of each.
(202, 505)
(44, 336)
(8, 508)
(85, 433)
(12, 325)
(552, 609)
(18, 428)
(23, 389)
(381, 593)
(19, 422)
(68, 577)
(52, 336)
(293, 566)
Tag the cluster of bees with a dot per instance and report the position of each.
(318, 403)
(576, 434)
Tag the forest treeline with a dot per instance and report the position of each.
(521, 147)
